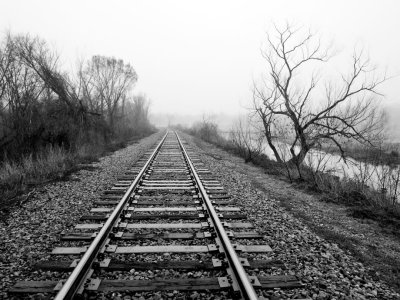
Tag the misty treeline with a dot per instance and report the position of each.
(42, 106)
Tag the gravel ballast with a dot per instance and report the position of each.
(30, 232)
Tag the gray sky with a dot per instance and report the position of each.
(203, 55)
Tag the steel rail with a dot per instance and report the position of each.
(78, 275)
(246, 288)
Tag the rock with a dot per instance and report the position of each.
(157, 296)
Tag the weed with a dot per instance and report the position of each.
(51, 163)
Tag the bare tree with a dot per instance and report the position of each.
(85, 87)
(337, 112)
(136, 114)
(40, 105)
(394, 185)
(36, 55)
(141, 106)
(108, 81)
(21, 89)
(6, 54)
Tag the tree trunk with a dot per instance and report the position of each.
(269, 140)
(296, 160)
(272, 146)
(299, 158)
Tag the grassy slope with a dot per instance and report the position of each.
(18, 179)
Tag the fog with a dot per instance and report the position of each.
(198, 58)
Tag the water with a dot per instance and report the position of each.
(378, 177)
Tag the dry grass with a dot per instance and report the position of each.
(50, 163)
(16, 178)
(53, 163)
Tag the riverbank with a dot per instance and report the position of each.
(388, 154)
(372, 191)
(374, 247)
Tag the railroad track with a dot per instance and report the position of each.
(166, 225)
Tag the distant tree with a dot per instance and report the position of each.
(135, 116)
(207, 129)
(105, 84)
(140, 111)
(341, 111)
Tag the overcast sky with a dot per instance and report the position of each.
(201, 56)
